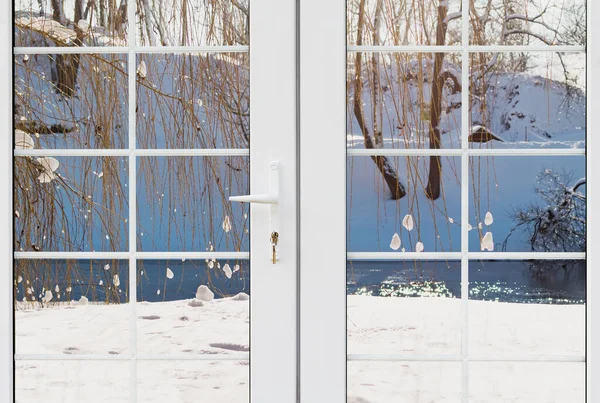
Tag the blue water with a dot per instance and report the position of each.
(503, 281)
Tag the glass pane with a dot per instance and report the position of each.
(378, 22)
(527, 382)
(527, 100)
(404, 382)
(193, 381)
(71, 101)
(522, 23)
(192, 23)
(406, 307)
(527, 204)
(387, 199)
(525, 308)
(72, 307)
(193, 307)
(193, 101)
(81, 23)
(183, 204)
(72, 381)
(70, 204)
(393, 101)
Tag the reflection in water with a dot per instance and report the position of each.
(560, 282)
(501, 281)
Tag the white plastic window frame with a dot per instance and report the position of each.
(273, 127)
(323, 154)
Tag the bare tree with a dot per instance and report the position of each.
(435, 164)
(559, 225)
(384, 166)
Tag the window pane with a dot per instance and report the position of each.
(527, 382)
(527, 100)
(393, 101)
(383, 206)
(522, 23)
(193, 307)
(75, 204)
(405, 307)
(192, 23)
(81, 23)
(72, 381)
(527, 204)
(193, 381)
(193, 101)
(378, 22)
(404, 382)
(71, 101)
(527, 308)
(72, 307)
(183, 204)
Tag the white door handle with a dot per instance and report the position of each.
(271, 198)
(260, 199)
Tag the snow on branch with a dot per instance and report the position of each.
(453, 16)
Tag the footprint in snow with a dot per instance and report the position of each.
(231, 347)
(150, 317)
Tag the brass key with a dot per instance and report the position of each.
(274, 240)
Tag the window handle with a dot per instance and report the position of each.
(272, 199)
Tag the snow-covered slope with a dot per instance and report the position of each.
(530, 108)
(220, 328)
(531, 111)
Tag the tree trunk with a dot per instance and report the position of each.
(384, 166)
(437, 83)
(376, 86)
(67, 65)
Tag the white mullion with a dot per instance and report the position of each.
(592, 165)
(526, 255)
(464, 300)
(133, 357)
(132, 219)
(402, 152)
(403, 48)
(351, 357)
(127, 255)
(7, 331)
(516, 48)
(193, 255)
(61, 50)
(71, 153)
(532, 152)
(460, 49)
(244, 152)
(523, 152)
(202, 152)
(72, 255)
(193, 49)
(192, 357)
(459, 358)
(470, 255)
(209, 152)
(464, 191)
(403, 256)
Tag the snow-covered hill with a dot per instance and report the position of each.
(527, 109)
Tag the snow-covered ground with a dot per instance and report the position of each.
(376, 325)
(526, 109)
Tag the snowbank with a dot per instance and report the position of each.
(376, 325)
